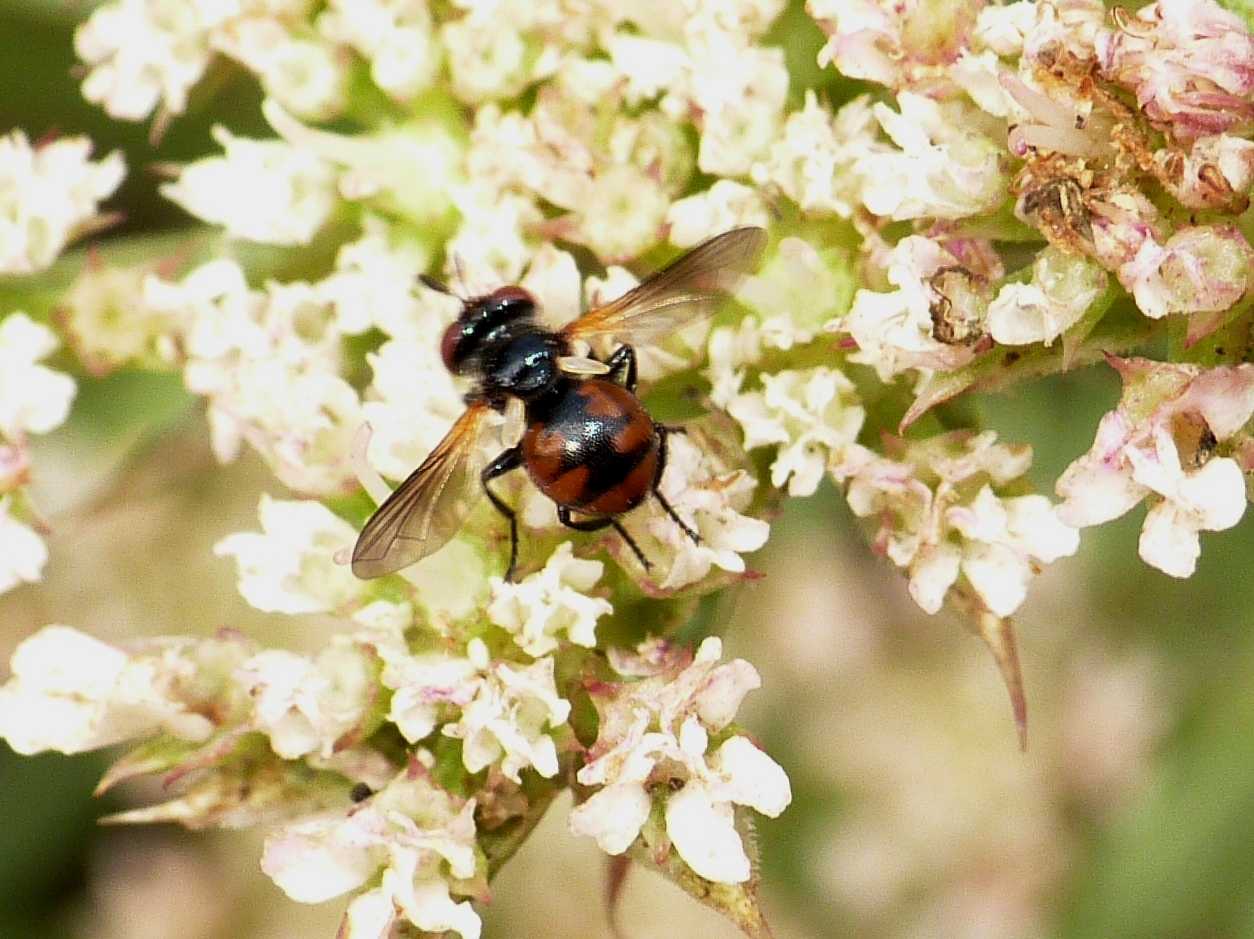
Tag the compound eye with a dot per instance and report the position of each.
(511, 297)
(449, 344)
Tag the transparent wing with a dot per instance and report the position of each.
(689, 288)
(428, 508)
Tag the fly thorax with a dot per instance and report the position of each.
(525, 365)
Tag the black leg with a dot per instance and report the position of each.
(623, 367)
(662, 432)
(506, 461)
(596, 524)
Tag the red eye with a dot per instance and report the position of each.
(509, 295)
(448, 345)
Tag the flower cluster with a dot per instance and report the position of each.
(1034, 186)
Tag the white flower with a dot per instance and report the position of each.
(395, 36)
(142, 53)
(551, 601)
(493, 241)
(622, 215)
(710, 499)
(725, 205)
(305, 75)
(819, 161)
(741, 108)
(414, 402)
(49, 195)
(109, 323)
(269, 363)
(700, 819)
(487, 58)
(657, 731)
(498, 710)
(289, 567)
(812, 415)
(261, 190)
(1210, 498)
(1003, 28)
(505, 720)
(308, 706)
(22, 552)
(1003, 539)
(33, 398)
(373, 285)
(408, 168)
(71, 693)
(411, 830)
(945, 167)
(1062, 288)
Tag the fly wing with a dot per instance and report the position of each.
(428, 508)
(689, 288)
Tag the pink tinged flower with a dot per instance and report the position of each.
(1189, 62)
(1216, 172)
(1164, 417)
(33, 398)
(1211, 498)
(1204, 268)
(889, 42)
(426, 688)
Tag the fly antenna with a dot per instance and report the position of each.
(460, 270)
(432, 283)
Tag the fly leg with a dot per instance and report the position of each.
(662, 432)
(596, 524)
(623, 367)
(506, 461)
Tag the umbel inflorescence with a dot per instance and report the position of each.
(970, 195)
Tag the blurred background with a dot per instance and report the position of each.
(914, 814)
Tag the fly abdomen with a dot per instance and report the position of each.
(592, 449)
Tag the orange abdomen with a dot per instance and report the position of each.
(593, 448)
